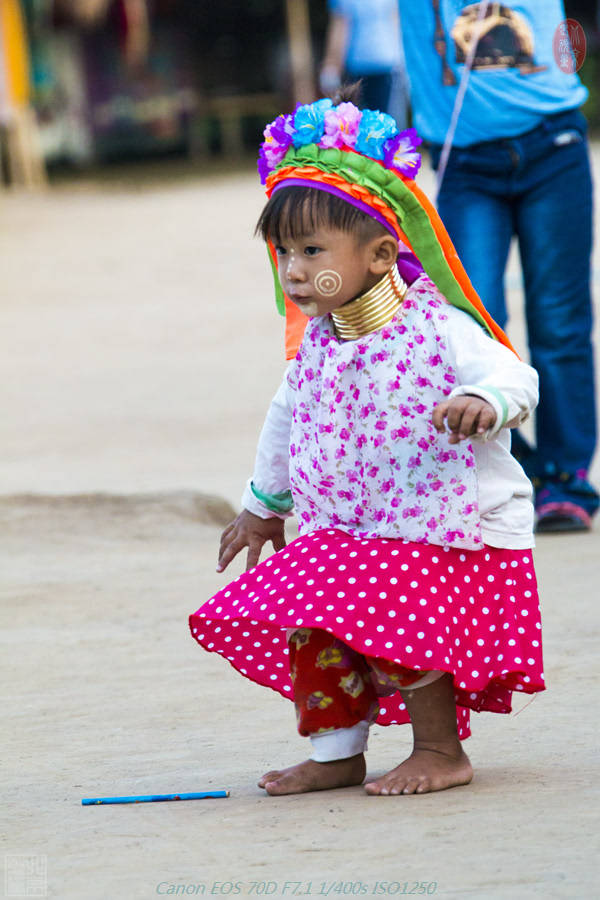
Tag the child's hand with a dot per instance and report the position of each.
(466, 416)
(252, 532)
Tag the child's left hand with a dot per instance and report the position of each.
(467, 415)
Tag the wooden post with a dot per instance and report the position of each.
(298, 25)
(18, 125)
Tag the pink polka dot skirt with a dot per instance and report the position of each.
(474, 614)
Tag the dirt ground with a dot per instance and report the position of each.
(141, 349)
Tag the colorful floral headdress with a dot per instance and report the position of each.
(372, 133)
(362, 156)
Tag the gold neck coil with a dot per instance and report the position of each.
(372, 310)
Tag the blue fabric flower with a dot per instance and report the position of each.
(375, 129)
(309, 122)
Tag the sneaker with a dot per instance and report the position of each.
(566, 503)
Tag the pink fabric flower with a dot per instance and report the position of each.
(341, 126)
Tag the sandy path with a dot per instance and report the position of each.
(127, 315)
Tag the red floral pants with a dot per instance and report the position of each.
(336, 687)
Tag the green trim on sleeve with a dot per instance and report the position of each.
(277, 503)
(500, 398)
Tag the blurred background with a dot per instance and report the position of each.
(86, 83)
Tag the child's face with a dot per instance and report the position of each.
(321, 271)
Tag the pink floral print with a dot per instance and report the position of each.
(364, 454)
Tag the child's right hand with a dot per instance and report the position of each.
(252, 532)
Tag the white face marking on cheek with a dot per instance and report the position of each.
(328, 283)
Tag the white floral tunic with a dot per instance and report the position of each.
(364, 454)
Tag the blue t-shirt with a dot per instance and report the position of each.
(374, 43)
(516, 78)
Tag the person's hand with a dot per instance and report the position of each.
(330, 78)
(250, 531)
(466, 416)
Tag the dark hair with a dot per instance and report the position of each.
(295, 211)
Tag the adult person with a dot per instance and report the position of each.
(364, 42)
(519, 166)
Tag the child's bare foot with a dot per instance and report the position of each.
(315, 776)
(433, 768)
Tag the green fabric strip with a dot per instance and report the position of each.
(277, 503)
(279, 296)
(412, 217)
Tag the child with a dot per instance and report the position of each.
(410, 594)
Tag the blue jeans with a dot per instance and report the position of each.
(538, 187)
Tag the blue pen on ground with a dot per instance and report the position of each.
(152, 798)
